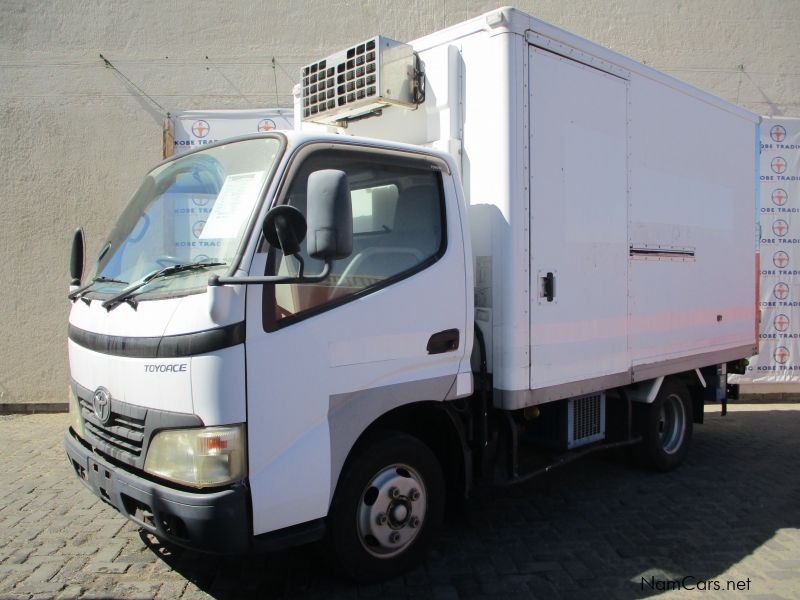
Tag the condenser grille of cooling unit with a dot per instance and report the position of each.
(587, 420)
(327, 86)
(360, 79)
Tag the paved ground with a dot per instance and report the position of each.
(596, 529)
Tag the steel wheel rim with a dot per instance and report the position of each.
(391, 511)
(672, 423)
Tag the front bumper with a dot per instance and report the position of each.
(215, 522)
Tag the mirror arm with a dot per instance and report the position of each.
(323, 275)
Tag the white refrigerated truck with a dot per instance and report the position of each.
(482, 254)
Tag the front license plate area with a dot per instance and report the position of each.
(102, 480)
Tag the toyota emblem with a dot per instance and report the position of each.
(101, 402)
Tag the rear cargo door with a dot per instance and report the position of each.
(579, 226)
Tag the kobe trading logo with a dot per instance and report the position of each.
(201, 128)
(778, 165)
(197, 228)
(777, 133)
(779, 197)
(780, 228)
(781, 290)
(781, 322)
(781, 355)
(780, 259)
(265, 125)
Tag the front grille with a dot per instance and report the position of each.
(124, 433)
(130, 427)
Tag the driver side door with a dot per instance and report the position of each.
(325, 360)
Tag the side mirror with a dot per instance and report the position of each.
(76, 258)
(329, 227)
(330, 215)
(285, 228)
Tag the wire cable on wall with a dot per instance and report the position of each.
(109, 65)
(230, 83)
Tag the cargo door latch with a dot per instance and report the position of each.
(548, 289)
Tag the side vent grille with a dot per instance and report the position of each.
(587, 419)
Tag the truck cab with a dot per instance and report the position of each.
(213, 415)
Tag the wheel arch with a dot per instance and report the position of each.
(645, 392)
(435, 423)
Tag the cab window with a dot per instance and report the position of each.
(398, 230)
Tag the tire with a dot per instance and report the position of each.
(387, 509)
(666, 427)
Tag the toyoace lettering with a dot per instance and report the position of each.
(169, 368)
(326, 376)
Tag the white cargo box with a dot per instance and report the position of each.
(627, 193)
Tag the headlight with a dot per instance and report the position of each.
(198, 457)
(75, 420)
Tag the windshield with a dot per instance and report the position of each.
(191, 210)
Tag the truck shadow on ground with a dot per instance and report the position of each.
(595, 527)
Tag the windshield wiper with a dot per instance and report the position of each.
(101, 279)
(125, 295)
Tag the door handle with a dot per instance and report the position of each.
(444, 341)
(549, 286)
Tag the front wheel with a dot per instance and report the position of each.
(387, 509)
(666, 427)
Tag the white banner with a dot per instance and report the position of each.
(778, 360)
(199, 226)
(197, 128)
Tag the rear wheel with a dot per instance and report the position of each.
(387, 509)
(666, 427)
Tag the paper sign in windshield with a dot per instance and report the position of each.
(233, 206)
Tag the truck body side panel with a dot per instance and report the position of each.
(495, 172)
(692, 172)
